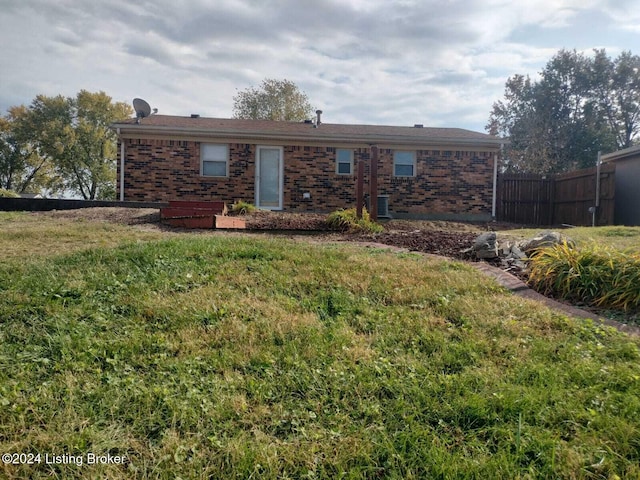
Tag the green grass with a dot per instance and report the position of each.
(621, 238)
(242, 357)
(27, 235)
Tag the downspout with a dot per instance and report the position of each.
(595, 210)
(121, 166)
(494, 199)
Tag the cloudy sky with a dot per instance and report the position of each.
(394, 62)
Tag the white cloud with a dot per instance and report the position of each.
(361, 61)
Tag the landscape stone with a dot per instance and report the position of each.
(485, 246)
(544, 239)
(517, 253)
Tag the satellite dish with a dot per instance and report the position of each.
(142, 109)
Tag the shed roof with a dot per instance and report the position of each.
(620, 154)
(267, 129)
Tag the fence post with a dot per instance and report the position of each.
(359, 187)
(373, 186)
(552, 200)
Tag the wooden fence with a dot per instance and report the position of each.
(559, 199)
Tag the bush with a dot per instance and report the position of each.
(347, 220)
(599, 276)
(4, 193)
(242, 208)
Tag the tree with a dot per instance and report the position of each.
(616, 87)
(22, 169)
(73, 136)
(580, 105)
(274, 100)
(89, 168)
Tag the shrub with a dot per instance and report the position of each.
(4, 193)
(347, 220)
(241, 207)
(596, 275)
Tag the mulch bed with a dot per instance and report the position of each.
(439, 242)
(274, 221)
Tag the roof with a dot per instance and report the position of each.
(620, 154)
(168, 125)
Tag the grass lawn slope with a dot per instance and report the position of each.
(230, 356)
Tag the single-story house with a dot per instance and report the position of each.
(627, 180)
(311, 166)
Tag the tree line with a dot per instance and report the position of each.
(62, 145)
(580, 105)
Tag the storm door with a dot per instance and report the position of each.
(269, 178)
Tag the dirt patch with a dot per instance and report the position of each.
(123, 216)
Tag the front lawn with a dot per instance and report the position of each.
(230, 356)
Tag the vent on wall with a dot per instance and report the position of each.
(383, 206)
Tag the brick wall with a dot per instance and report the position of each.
(446, 182)
(162, 170)
(459, 182)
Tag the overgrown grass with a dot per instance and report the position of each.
(597, 275)
(242, 207)
(233, 357)
(347, 220)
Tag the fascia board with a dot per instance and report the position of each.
(136, 131)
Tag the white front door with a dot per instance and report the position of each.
(269, 177)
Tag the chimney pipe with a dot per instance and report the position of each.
(318, 113)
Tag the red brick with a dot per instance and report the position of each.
(446, 181)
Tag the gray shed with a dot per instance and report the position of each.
(627, 199)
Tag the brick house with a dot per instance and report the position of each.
(440, 173)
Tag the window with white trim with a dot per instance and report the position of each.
(344, 161)
(404, 164)
(214, 160)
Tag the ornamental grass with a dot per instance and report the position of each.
(347, 220)
(596, 275)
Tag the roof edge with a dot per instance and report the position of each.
(620, 154)
(127, 129)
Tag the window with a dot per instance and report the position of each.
(213, 160)
(344, 161)
(404, 164)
